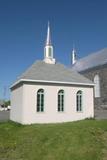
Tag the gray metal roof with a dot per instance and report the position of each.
(91, 61)
(53, 72)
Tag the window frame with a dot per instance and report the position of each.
(40, 100)
(79, 101)
(60, 100)
(97, 91)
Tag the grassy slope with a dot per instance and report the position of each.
(82, 140)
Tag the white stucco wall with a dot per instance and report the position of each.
(25, 109)
(16, 113)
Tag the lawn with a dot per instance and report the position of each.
(82, 140)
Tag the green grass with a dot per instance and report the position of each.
(82, 140)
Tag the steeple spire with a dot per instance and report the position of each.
(48, 50)
(48, 40)
(73, 55)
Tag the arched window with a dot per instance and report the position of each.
(60, 101)
(97, 86)
(79, 101)
(40, 100)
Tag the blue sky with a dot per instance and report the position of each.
(23, 27)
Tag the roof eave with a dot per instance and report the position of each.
(45, 81)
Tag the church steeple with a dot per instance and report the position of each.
(48, 49)
(73, 55)
(48, 40)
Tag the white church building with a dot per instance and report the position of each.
(49, 92)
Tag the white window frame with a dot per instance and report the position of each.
(97, 86)
(79, 101)
(40, 101)
(60, 101)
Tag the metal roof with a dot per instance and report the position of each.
(58, 73)
(91, 61)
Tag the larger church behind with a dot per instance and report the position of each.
(49, 92)
(94, 67)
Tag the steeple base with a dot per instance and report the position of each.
(49, 60)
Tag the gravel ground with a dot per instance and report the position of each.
(4, 115)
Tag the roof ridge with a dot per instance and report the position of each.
(93, 60)
(93, 53)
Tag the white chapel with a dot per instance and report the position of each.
(49, 92)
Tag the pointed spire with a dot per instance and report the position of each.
(73, 48)
(48, 39)
(48, 49)
(73, 55)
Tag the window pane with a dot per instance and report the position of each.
(77, 107)
(40, 100)
(62, 107)
(58, 108)
(61, 100)
(38, 108)
(79, 101)
(42, 108)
